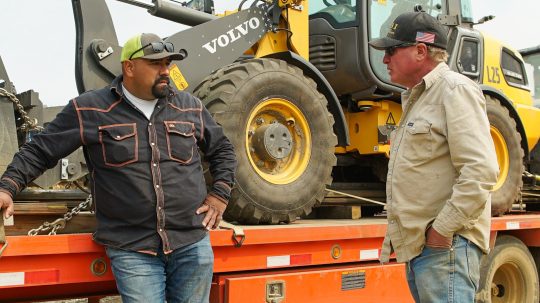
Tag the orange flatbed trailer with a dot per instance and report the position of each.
(305, 261)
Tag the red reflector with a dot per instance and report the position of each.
(42, 277)
(301, 259)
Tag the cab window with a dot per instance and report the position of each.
(466, 11)
(468, 59)
(512, 69)
(339, 13)
(381, 14)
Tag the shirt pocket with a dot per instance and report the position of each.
(419, 141)
(180, 140)
(119, 144)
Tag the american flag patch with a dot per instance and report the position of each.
(425, 37)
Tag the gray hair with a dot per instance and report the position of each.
(437, 54)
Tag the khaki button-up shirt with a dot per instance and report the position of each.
(442, 165)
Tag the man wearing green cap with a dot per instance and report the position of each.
(141, 139)
(442, 166)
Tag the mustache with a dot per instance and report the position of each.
(167, 79)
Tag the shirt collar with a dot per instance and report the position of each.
(427, 81)
(435, 74)
(116, 86)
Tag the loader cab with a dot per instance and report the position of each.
(335, 44)
(340, 31)
(381, 15)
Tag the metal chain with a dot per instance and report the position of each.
(60, 223)
(28, 123)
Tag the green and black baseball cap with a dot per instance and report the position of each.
(149, 46)
(413, 27)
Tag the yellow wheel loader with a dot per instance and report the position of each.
(307, 104)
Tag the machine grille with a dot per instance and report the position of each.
(322, 52)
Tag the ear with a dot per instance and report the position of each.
(128, 68)
(422, 52)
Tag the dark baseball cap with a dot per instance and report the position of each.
(413, 27)
(148, 46)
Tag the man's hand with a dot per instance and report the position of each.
(214, 208)
(434, 239)
(6, 204)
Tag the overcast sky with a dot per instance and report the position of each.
(38, 37)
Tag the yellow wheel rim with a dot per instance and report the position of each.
(284, 162)
(503, 159)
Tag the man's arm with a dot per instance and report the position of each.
(219, 152)
(473, 156)
(60, 138)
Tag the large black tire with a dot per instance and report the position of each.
(510, 155)
(260, 100)
(535, 253)
(508, 274)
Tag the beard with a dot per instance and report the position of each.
(161, 92)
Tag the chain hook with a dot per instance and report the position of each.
(61, 223)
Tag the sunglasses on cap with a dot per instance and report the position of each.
(392, 50)
(157, 47)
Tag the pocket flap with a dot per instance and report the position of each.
(186, 129)
(119, 131)
(418, 127)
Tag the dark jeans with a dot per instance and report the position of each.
(182, 276)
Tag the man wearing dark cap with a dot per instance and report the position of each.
(141, 138)
(442, 165)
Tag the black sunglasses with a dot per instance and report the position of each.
(392, 50)
(157, 47)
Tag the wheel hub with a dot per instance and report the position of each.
(278, 141)
(497, 290)
(273, 141)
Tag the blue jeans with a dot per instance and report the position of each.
(445, 275)
(182, 276)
